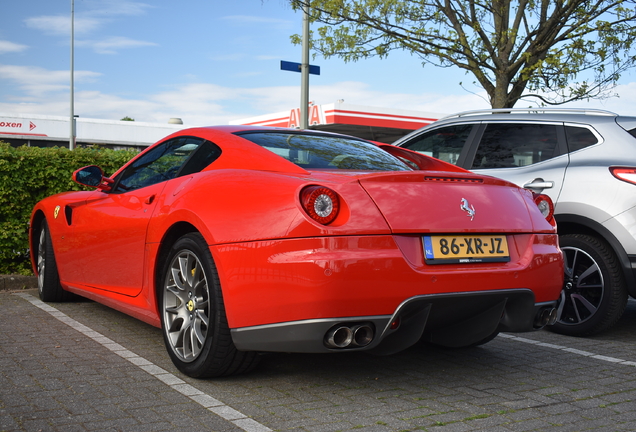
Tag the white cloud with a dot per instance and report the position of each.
(253, 19)
(267, 57)
(40, 91)
(358, 93)
(7, 47)
(61, 24)
(112, 44)
(228, 57)
(197, 104)
(36, 84)
(94, 16)
(117, 8)
(624, 104)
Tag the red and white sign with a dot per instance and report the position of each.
(339, 113)
(17, 127)
(6, 124)
(93, 131)
(314, 117)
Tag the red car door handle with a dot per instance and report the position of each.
(150, 199)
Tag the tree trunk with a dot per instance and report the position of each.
(500, 97)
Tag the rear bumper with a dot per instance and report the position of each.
(453, 320)
(290, 290)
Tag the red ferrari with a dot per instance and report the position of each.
(238, 240)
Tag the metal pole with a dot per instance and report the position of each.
(71, 143)
(304, 71)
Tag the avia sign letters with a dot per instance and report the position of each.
(314, 117)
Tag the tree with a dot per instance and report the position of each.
(554, 51)
(127, 119)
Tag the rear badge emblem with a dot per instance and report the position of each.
(56, 212)
(469, 209)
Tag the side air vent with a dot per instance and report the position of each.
(68, 212)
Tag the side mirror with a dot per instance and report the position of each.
(92, 176)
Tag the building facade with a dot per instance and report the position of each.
(376, 124)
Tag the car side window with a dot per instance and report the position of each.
(159, 164)
(506, 145)
(204, 156)
(579, 137)
(445, 143)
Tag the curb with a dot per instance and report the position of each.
(17, 282)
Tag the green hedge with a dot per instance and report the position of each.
(28, 174)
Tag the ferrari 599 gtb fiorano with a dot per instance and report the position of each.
(239, 240)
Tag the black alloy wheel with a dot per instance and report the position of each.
(594, 293)
(49, 287)
(193, 319)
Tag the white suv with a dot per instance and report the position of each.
(585, 160)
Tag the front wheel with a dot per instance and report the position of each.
(195, 328)
(594, 293)
(49, 287)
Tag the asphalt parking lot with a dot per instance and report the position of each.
(84, 367)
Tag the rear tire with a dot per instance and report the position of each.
(49, 287)
(594, 293)
(193, 319)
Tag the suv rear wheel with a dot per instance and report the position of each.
(594, 292)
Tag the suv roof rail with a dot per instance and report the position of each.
(584, 111)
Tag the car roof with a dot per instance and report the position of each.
(241, 153)
(582, 116)
(532, 112)
(231, 129)
(566, 115)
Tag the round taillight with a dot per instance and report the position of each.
(545, 205)
(321, 203)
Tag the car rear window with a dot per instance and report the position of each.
(314, 151)
(579, 138)
(627, 123)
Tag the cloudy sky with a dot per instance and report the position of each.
(205, 61)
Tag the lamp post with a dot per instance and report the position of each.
(304, 71)
(304, 68)
(71, 143)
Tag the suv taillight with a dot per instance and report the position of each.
(624, 173)
(545, 205)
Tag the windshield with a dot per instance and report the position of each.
(328, 152)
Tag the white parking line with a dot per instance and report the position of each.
(570, 350)
(214, 405)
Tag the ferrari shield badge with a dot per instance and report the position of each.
(56, 212)
(469, 209)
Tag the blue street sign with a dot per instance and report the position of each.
(295, 67)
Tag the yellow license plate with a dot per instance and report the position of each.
(465, 249)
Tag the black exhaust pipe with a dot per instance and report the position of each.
(339, 337)
(362, 335)
(349, 336)
(546, 316)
